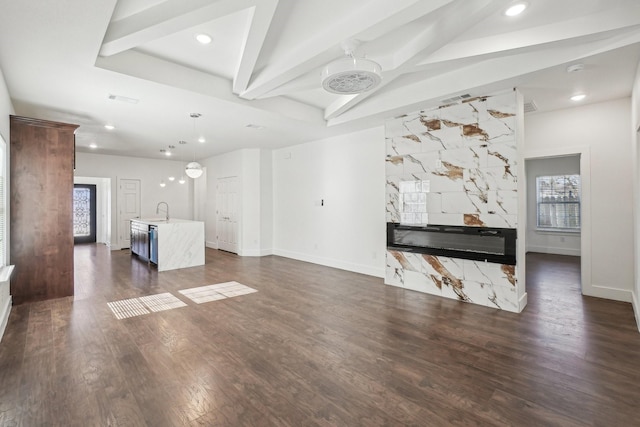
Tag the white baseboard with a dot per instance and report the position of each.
(553, 250)
(257, 252)
(4, 316)
(522, 302)
(636, 307)
(342, 265)
(211, 244)
(609, 293)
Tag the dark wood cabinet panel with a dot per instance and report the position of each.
(41, 226)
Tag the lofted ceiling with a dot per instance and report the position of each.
(135, 64)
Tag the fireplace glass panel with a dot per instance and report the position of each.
(454, 241)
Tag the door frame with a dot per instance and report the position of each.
(120, 228)
(104, 231)
(235, 223)
(585, 210)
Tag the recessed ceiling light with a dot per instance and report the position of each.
(578, 97)
(516, 9)
(204, 38)
(575, 68)
(172, 178)
(163, 184)
(109, 127)
(201, 139)
(93, 145)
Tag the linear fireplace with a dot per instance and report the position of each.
(496, 245)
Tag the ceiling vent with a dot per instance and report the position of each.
(455, 99)
(351, 75)
(530, 107)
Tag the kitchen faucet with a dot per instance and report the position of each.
(166, 211)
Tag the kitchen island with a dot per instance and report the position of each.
(170, 244)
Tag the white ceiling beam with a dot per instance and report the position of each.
(316, 51)
(164, 19)
(137, 64)
(455, 20)
(608, 20)
(262, 15)
(480, 77)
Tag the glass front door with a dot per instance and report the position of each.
(84, 213)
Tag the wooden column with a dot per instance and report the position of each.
(41, 226)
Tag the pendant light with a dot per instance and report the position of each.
(182, 180)
(194, 169)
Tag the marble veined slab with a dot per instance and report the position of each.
(467, 155)
(180, 244)
(489, 284)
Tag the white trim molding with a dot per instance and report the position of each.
(553, 250)
(585, 217)
(5, 276)
(607, 292)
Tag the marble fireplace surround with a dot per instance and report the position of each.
(455, 165)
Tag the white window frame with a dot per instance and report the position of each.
(575, 200)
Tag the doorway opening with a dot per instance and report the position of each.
(557, 231)
(84, 213)
(102, 208)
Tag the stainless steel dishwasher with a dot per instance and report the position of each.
(153, 244)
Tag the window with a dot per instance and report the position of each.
(558, 200)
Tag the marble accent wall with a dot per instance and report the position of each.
(454, 165)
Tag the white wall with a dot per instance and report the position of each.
(635, 141)
(251, 207)
(561, 243)
(603, 128)
(150, 172)
(347, 172)
(254, 227)
(266, 202)
(6, 108)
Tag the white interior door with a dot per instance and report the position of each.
(128, 208)
(227, 214)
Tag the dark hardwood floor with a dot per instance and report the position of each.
(316, 346)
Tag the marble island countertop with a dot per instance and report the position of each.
(179, 242)
(158, 221)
